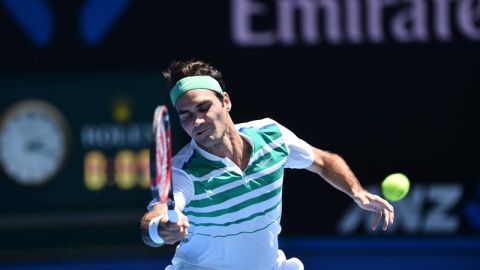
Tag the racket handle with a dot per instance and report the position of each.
(172, 216)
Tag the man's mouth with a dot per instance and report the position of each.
(201, 131)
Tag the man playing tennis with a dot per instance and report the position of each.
(227, 181)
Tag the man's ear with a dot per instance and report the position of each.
(226, 101)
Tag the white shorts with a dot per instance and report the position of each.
(282, 263)
(290, 264)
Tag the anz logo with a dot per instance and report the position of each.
(436, 208)
(37, 20)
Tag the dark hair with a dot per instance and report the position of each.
(181, 69)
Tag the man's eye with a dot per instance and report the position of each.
(204, 109)
(184, 116)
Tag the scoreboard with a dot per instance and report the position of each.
(74, 158)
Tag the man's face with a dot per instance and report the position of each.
(203, 116)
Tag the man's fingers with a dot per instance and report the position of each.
(185, 222)
(383, 202)
(392, 217)
(169, 226)
(389, 216)
(164, 218)
(173, 234)
(170, 232)
(172, 238)
(386, 221)
(387, 205)
(378, 217)
(380, 206)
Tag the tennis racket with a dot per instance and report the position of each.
(161, 161)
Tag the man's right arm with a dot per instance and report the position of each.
(170, 232)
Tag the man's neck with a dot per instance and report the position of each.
(233, 147)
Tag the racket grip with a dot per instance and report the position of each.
(172, 216)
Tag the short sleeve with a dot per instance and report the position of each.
(182, 190)
(300, 154)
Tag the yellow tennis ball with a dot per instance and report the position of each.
(395, 186)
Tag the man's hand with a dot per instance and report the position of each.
(169, 231)
(336, 172)
(376, 204)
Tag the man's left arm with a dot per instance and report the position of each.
(335, 171)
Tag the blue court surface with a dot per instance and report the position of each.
(318, 253)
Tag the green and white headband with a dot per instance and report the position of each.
(194, 82)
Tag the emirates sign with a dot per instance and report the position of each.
(316, 22)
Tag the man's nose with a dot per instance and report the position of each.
(199, 120)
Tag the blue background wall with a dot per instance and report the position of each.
(397, 94)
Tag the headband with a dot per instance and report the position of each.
(194, 82)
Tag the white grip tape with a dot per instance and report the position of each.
(153, 231)
(173, 216)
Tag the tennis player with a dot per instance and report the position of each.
(227, 181)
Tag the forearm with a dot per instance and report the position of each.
(335, 171)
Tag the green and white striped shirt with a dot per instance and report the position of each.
(235, 213)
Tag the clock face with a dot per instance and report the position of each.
(33, 142)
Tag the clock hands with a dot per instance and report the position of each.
(34, 145)
(37, 146)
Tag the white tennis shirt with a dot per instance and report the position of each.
(235, 215)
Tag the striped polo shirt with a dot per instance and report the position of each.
(232, 212)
